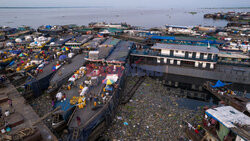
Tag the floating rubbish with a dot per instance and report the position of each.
(120, 118)
(125, 123)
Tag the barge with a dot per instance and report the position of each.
(193, 62)
(91, 95)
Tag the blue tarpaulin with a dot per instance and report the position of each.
(11, 63)
(48, 26)
(163, 37)
(15, 51)
(62, 57)
(220, 84)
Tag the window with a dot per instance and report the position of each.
(176, 51)
(182, 51)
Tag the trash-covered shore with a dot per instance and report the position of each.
(42, 105)
(152, 113)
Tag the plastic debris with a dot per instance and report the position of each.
(125, 123)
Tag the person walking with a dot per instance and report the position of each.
(1, 112)
(10, 103)
(78, 119)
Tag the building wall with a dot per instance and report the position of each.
(165, 52)
(179, 53)
(221, 72)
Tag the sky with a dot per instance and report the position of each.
(127, 3)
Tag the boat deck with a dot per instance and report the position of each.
(74, 91)
(104, 52)
(121, 52)
(68, 69)
(46, 70)
(86, 113)
(110, 42)
(93, 44)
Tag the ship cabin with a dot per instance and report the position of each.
(187, 40)
(103, 50)
(83, 30)
(172, 29)
(48, 29)
(59, 42)
(111, 31)
(92, 44)
(182, 55)
(226, 123)
(233, 58)
(176, 27)
(142, 33)
(78, 41)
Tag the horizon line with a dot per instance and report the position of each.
(3, 7)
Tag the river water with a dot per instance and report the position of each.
(143, 17)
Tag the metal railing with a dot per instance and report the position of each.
(234, 62)
(154, 53)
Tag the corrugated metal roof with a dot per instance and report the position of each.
(186, 48)
(228, 116)
(121, 52)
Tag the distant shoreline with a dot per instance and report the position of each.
(228, 8)
(54, 7)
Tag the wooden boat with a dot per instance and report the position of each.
(5, 62)
(95, 118)
(60, 118)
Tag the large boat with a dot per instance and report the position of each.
(92, 93)
(91, 99)
(196, 64)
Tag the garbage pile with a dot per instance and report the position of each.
(152, 113)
